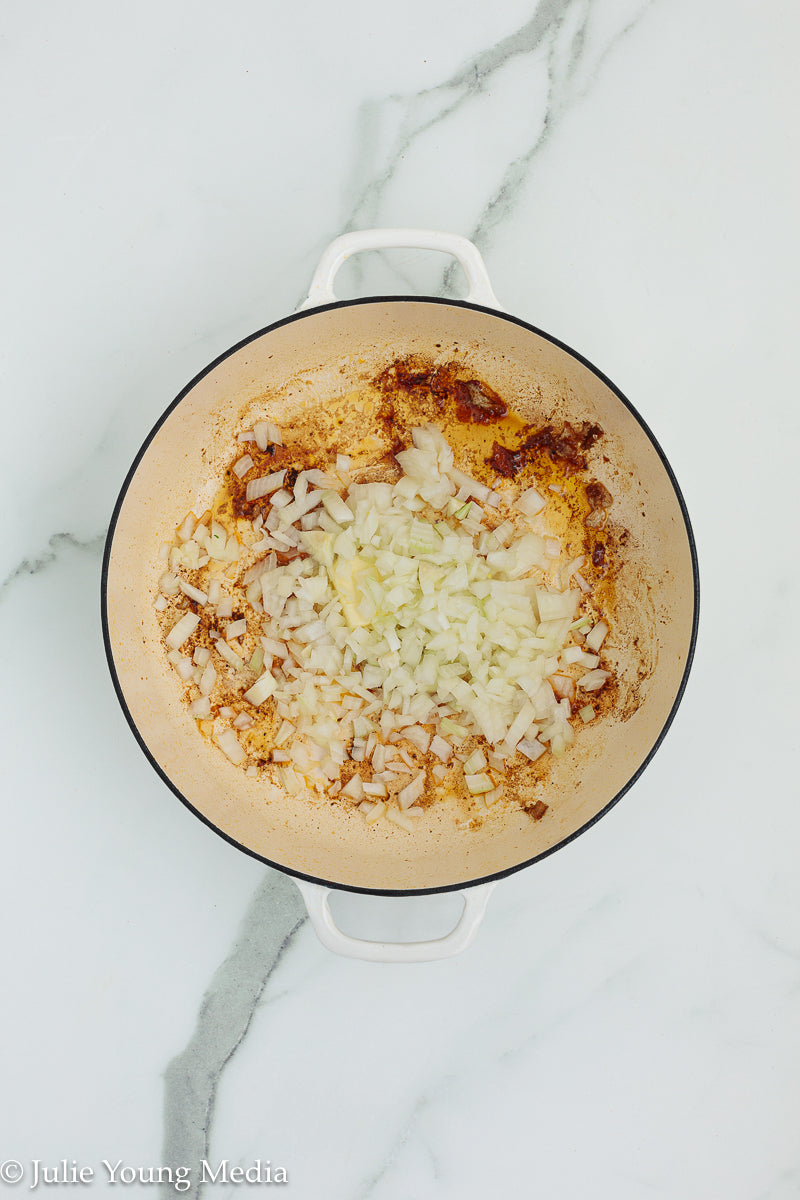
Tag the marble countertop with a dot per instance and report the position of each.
(626, 1023)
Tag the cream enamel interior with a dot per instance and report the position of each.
(322, 354)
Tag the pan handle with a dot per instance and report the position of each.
(480, 288)
(316, 901)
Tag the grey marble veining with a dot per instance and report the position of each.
(557, 33)
(42, 562)
(192, 1077)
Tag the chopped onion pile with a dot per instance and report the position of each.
(401, 625)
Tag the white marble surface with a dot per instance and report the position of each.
(626, 1025)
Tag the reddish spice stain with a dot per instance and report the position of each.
(567, 444)
(474, 401)
(477, 402)
(506, 461)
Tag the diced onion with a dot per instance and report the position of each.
(193, 593)
(399, 818)
(262, 689)
(266, 433)
(596, 636)
(531, 748)
(441, 748)
(592, 681)
(335, 505)
(418, 737)
(531, 503)
(407, 795)
(478, 783)
(257, 488)
(182, 631)
(354, 789)
(230, 656)
(476, 762)
(169, 584)
(229, 744)
(373, 789)
(242, 465)
(392, 620)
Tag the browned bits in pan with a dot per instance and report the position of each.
(536, 810)
(477, 402)
(598, 495)
(474, 401)
(506, 461)
(567, 444)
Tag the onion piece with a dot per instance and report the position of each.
(441, 748)
(592, 681)
(266, 433)
(207, 680)
(476, 784)
(412, 791)
(399, 818)
(262, 689)
(476, 762)
(354, 789)
(185, 668)
(242, 465)
(257, 488)
(531, 503)
(596, 636)
(336, 507)
(182, 631)
(169, 584)
(229, 744)
(415, 734)
(230, 656)
(470, 485)
(373, 789)
(531, 748)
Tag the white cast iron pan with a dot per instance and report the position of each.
(327, 346)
